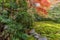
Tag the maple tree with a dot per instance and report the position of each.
(40, 5)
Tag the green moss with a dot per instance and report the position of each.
(31, 38)
(48, 29)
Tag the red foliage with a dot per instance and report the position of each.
(42, 10)
(45, 3)
(40, 4)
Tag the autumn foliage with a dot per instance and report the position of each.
(40, 5)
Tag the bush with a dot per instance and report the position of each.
(16, 19)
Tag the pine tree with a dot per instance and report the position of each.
(14, 20)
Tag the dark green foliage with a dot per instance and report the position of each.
(15, 18)
(54, 14)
